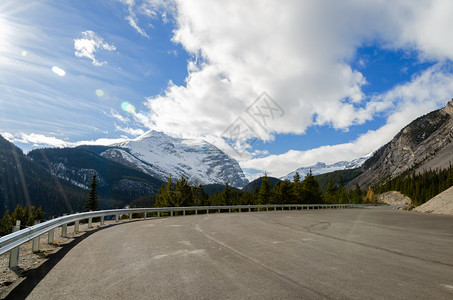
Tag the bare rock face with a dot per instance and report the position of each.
(393, 198)
(424, 143)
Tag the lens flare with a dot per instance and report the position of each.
(126, 106)
(99, 92)
(58, 71)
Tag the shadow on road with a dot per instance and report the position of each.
(34, 276)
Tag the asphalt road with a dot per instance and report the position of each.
(320, 254)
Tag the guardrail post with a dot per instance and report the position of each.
(158, 214)
(35, 244)
(50, 236)
(250, 209)
(64, 230)
(183, 212)
(207, 211)
(76, 226)
(90, 222)
(117, 217)
(144, 215)
(196, 211)
(130, 216)
(14, 253)
(229, 210)
(102, 221)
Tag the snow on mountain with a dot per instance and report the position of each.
(321, 168)
(159, 155)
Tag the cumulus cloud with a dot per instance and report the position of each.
(299, 52)
(426, 92)
(89, 44)
(302, 53)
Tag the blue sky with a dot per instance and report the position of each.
(343, 77)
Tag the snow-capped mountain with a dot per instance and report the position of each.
(321, 168)
(159, 155)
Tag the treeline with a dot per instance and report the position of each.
(306, 191)
(26, 215)
(420, 187)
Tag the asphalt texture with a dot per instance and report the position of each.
(373, 253)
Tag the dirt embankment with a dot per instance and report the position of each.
(440, 204)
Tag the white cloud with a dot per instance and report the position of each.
(428, 91)
(40, 140)
(89, 44)
(134, 25)
(130, 131)
(148, 8)
(118, 116)
(301, 53)
(297, 51)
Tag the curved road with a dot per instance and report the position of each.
(376, 253)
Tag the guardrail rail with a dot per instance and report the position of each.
(12, 241)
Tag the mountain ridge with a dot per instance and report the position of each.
(424, 143)
(160, 155)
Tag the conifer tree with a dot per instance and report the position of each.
(265, 191)
(330, 195)
(296, 178)
(183, 193)
(311, 192)
(92, 199)
(200, 198)
(282, 193)
(6, 224)
(255, 195)
(357, 194)
(166, 194)
(226, 195)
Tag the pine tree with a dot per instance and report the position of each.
(255, 195)
(200, 198)
(183, 193)
(330, 195)
(311, 192)
(265, 191)
(6, 224)
(357, 194)
(296, 178)
(166, 194)
(226, 195)
(282, 193)
(92, 199)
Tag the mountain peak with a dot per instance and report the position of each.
(449, 107)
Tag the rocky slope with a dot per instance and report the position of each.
(117, 184)
(25, 182)
(159, 155)
(424, 143)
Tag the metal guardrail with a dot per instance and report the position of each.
(13, 240)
